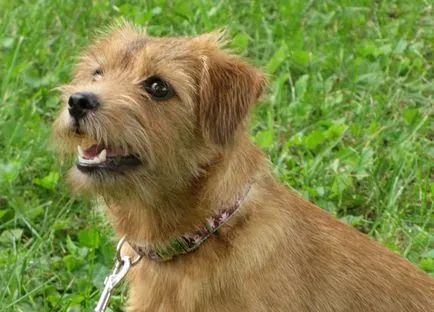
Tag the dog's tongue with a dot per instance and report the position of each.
(95, 149)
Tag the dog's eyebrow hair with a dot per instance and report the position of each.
(130, 50)
(136, 44)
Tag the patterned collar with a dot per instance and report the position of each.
(191, 241)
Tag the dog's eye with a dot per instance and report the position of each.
(97, 74)
(158, 89)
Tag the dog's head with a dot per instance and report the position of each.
(141, 107)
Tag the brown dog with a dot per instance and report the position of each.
(160, 125)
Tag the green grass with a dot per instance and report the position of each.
(348, 122)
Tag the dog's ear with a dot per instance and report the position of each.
(228, 87)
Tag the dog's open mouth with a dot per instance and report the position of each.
(99, 157)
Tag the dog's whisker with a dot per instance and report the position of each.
(128, 99)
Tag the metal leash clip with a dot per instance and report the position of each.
(122, 266)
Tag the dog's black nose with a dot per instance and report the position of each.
(82, 102)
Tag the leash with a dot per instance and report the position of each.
(121, 268)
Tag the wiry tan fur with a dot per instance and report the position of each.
(279, 252)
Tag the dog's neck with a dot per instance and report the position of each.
(183, 244)
(174, 210)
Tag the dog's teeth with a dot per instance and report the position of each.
(102, 156)
(89, 161)
(80, 151)
(99, 159)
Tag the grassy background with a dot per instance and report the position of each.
(348, 123)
